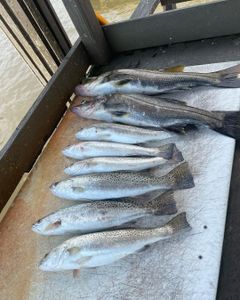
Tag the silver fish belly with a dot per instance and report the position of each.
(102, 248)
(111, 164)
(98, 215)
(140, 110)
(130, 81)
(100, 186)
(122, 134)
(95, 149)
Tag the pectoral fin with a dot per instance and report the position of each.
(119, 113)
(53, 225)
(78, 189)
(143, 249)
(73, 251)
(121, 82)
(118, 109)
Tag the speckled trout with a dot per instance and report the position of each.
(102, 248)
(100, 186)
(98, 215)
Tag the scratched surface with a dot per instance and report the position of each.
(185, 267)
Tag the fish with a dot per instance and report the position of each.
(151, 82)
(84, 150)
(147, 111)
(103, 186)
(111, 164)
(103, 248)
(119, 133)
(100, 215)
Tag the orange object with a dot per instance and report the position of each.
(101, 19)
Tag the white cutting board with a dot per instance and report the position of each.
(187, 266)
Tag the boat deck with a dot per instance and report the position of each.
(21, 249)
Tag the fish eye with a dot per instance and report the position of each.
(45, 256)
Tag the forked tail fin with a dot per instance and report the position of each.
(170, 152)
(179, 223)
(164, 204)
(229, 78)
(230, 124)
(180, 177)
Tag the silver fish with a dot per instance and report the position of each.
(84, 150)
(111, 164)
(100, 215)
(100, 186)
(135, 81)
(122, 134)
(102, 248)
(140, 110)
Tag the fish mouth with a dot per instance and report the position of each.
(53, 186)
(82, 90)
(35, 228)
(42, 264)
(84, 111)
(68, 171)
(74, 109)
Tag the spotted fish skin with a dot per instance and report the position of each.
(140, 81)
(100, 186)
(99, 215)
(102, 248)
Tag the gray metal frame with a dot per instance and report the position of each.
(27, 24)
(145, 8)
(26, 143)
(180, 25)
(89, 29)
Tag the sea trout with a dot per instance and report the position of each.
(84, 150)
(99, 215)
(100, 186)
(112, 164)
(102, 248)
(122, 134)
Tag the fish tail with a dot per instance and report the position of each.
(179, 223)
(229, 78)
(176, 154)
(171, 152)
(180, 177)
(164, 205)
(230, 124)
